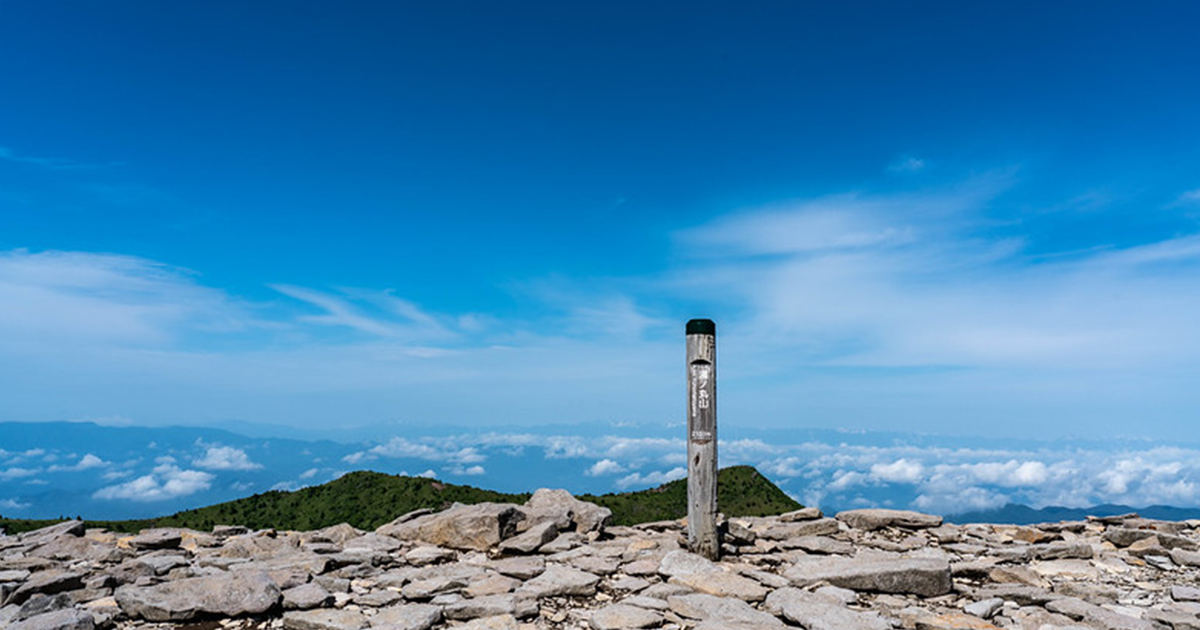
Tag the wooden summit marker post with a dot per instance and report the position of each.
(702, 438)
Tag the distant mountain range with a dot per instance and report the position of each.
(1015, 514)
(367, 500)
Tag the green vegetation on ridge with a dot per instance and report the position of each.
(741, 491)
(367, 500)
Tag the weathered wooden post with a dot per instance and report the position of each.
(702, 438)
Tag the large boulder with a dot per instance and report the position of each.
(477, 527)
(546, 504)
(228, 595)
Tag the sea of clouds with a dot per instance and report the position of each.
(110, 472)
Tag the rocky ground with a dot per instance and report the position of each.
(554, 563)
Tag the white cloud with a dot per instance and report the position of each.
(430, 450)
(1188, 198)
(309, 474)
(16, 472)
(899, 471)
(605, 467)
(907, 164)
(469, 471)
(12, 504)
(90, 461)
(655, 478)
(166, 481)
(225, 458)
(113, 475)
(87, 462)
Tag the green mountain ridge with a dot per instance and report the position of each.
(367, 499)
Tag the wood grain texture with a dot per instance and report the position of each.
(702, 445)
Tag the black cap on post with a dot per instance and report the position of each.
(701, 327)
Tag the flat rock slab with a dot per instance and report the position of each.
(871, 519)
(681, 562)
(954, 621)
(306, 596)
(819, 612)
(723, 584)
(725, 610)
(1097, 616)
(46, 582)
(927, 577)
(66, 619)
(407, 617)
(621, 616)
(795, 529)
(231, 595)
(559, 580)
(324, 620)
(156, 539)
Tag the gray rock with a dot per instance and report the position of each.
(423, 555)
(1123, 536)
(1020, 593)
(628, 583)
(407, 617)
(548, 504)
(14, 575)
(529, 541)
(1062, 550)
(622, 616)
(725, 610)
(520, 568)
(817, 612)
(844, 595)
(43, 535)
(566, 541)
(499, 622)
(1185, 558)
(1182, 593)
(230, 595)
(225, 531)
(377, 598)
(491, 584)
(723, 584)
(927, 577)
(559, 580)
(39, 604)
(324, 619)
(491, 606)
(819, 544)
(478, 527)
(156, 539)
(956, 621)
(1097, 616)
(803, 514)
(429, 582)
(871, 519)
(984, 609)
(46, 582)
(681, 562)
(306, 596)
(66, 619)
(786, 530)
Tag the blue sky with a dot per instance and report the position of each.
(955, 218)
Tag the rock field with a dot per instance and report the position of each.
(555, 563)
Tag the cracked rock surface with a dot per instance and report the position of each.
(555, 563)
